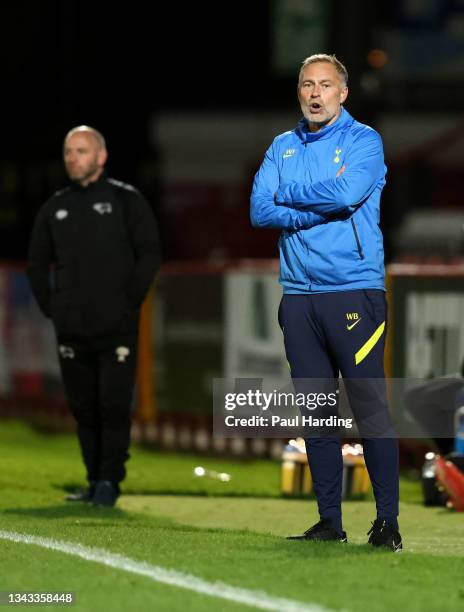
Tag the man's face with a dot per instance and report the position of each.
(84, 158)
(321, 92)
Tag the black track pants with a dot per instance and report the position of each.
(98, 376)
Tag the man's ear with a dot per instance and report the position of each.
(343, 94)
(102, 157)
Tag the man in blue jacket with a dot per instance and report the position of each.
(320, 184)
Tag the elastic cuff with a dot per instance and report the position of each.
(391, 520)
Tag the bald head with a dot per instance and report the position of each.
(85, 155)
(86, 129)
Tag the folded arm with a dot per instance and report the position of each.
(346, 191)
(265, 213)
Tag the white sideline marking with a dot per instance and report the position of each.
(258, 599)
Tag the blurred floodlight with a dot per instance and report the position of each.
(376, 58)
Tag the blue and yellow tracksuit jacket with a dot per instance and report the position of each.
(322, 190)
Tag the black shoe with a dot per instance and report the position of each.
(106, 493)
(322, 531)
(383, 534)
(82, 495)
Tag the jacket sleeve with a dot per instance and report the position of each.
(264, 212)
(40, 258)
(344, 193)
(144, 236)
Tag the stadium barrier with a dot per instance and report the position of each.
(206, 321)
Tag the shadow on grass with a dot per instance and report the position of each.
(71, 510)
(246, 540)
(71, 487)
(325, 550)
(68, 487)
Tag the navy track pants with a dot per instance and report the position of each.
(342, 332)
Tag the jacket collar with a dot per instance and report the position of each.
(101, 179)
(343, 121)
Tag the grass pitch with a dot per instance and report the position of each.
(229, 532)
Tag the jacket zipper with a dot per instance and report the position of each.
(358, 242)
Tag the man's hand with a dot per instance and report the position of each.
(341, 171)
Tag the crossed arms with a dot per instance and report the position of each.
(296, 205)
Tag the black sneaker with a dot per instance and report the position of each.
(82, 495)
(106, 493)
(383, 534)
(322, 531)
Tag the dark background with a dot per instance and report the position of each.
(69, 63)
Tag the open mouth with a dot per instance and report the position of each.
(315, 107)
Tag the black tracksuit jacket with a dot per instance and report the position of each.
(93, 254)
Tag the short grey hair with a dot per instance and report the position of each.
(86, 128)
(324, 57)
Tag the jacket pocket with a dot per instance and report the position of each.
(64, 314)
(376, 305)
(356, 237)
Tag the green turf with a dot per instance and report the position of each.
(216, 531)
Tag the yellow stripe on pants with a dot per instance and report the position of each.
(369, 345)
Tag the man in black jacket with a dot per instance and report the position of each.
(93, 255)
